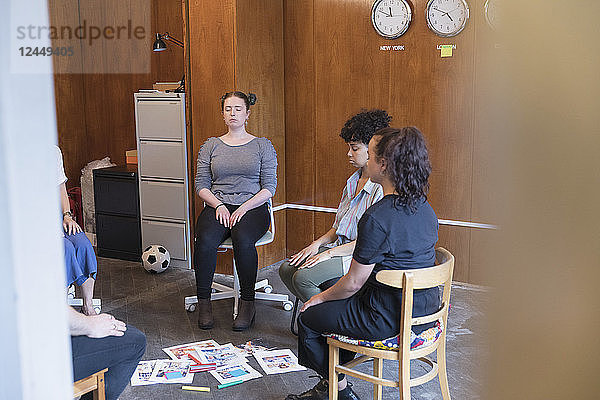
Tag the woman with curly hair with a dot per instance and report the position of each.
(398, 232)
(329, 256)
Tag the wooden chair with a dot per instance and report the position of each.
(94, 382)
(408, 280)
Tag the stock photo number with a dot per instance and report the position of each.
(46, 51)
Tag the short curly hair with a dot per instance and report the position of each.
(362, 126)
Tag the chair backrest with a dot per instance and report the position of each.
(267, 238)
(270, 235)
(411, 279)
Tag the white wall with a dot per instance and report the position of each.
(34, 341)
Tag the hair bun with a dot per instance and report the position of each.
(251, 98)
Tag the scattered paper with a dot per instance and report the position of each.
(248, 348)
(181, 351)
(232, 373)
(278, 361)
(172, 371)
(221, 356)
(143, 372)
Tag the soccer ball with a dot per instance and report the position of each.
(156, 258)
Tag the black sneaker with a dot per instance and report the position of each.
(348, 393)
(319, 392)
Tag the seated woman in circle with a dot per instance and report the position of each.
(80, 259)
(398, 232)
(236, 175)
(329, 256)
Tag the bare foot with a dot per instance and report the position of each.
(88, 309)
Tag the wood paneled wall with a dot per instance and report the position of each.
(334, 68)
(95, 111)
(238, 45)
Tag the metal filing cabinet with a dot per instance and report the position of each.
(163, 172)
(117, 212)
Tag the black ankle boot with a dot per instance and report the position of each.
(205, 317)
(245, 317)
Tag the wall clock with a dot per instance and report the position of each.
(491, 13)
(447, 17)
(391, 18)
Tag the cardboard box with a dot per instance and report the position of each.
(162, 86)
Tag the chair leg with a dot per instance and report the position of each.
(334, 359)
(443, 377)
(99, 393)
(404, 378)
(236, 290)
(378, 372)
(294, 313)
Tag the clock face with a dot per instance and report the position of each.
(491, 13)
(391, 18)
(447, 17)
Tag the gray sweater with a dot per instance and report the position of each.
(236, 173)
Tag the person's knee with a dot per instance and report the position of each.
(286, 270)
(137, 339)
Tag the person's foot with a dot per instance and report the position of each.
(205, 317)
(321, 392)
(88, 309)
(245, 317)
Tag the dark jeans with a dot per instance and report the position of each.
(120, 354)
(244, 235)
(373, 313)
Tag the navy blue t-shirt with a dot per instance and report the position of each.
(394, 237)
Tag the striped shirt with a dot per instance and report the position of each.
(353, 206)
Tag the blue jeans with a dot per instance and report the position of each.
(80, 258)
(120, 354)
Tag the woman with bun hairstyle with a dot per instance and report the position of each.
(398, 232)
(236, 175)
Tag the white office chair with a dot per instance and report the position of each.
(225, 292)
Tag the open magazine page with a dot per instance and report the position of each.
(172, 371)
(232, 373)
(278, 361)
(221, 356)
(181, 351)
(143, 372)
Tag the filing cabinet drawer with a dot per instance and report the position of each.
(162, 160)
(160, 120)
(164, 199)
(171, 235)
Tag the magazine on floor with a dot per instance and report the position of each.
(143, 372)
(278, 361)
(172, 371)
(221, 356)
(180, 352)
(233, 373)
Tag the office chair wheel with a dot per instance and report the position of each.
(190, 308)
(97, 309)
(268, 289)
(288, 305)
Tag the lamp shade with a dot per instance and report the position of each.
(159, 44)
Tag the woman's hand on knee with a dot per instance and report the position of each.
(70, 226)
(237, 215)
(103, 325)
(303, 254)
(313, 301)
(222, 215)
(314, 260)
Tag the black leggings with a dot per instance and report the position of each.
(209, 236)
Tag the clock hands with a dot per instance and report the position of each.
(387, 15)
(445, 13)
(390, 11)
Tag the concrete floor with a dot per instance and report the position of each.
(154, 304)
